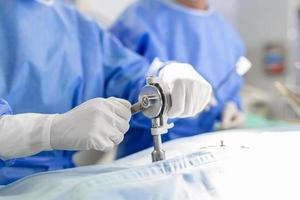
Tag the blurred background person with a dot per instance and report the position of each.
(272, 46)
(192, 32)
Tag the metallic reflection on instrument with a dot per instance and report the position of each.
(155, 101)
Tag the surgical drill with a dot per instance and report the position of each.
(154, 102)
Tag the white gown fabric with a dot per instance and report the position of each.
(225, 165)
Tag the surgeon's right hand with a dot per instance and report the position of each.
(97, 124)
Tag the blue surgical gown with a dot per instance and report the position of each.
(163, 29)
(52, 59)
(4, 108)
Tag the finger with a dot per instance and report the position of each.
(208, 96)
(121, 108)
(204, 96)
(115, 122)
(238, 120)
(117, 139)
(120, 124)
(103, 145)
(189, 101)
(233, 120)
(225, 120)
(178, 100)
(200, 106)
(198, 102)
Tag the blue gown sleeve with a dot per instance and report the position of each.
(125, 71)
(4, 108)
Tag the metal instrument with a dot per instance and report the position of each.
(154, 102)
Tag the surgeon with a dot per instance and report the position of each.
(58, 63)
(186, 31)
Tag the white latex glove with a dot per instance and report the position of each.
(232, 117)
(97, 124)
(24, 135)
(190, 92)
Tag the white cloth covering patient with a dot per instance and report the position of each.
(225, 165)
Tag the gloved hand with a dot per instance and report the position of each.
(232, 117)
(98, 124)
(190, 92)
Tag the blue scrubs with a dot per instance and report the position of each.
(164, 29)
(4, 108)
(52, 59)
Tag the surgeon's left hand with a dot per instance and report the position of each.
(190, 92)
(232, 117)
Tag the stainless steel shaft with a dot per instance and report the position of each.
(158, 153)
(136, 108)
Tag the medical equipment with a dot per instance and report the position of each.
(242, 66)
(155, 101)
(292, 97)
